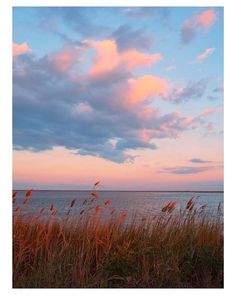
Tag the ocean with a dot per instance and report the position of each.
(138, 203)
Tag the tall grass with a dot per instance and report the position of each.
(92, 249)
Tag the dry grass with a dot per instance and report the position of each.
(174, 250)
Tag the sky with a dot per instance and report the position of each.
(131, 97)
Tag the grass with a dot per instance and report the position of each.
(181, 249)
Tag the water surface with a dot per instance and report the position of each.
(141, 203)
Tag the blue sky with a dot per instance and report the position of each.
(59, 65)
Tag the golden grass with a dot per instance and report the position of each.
(172, 250)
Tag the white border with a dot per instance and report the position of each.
(6, 138)
(203, 3)
(6, 144)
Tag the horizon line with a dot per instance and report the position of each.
(110, 190)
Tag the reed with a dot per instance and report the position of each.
(96, 249)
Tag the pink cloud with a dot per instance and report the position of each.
(147, 113)
(63, 61)
(83, 108)
(68, 57)
(133, 59)
(19, 49)
(108, 57)
(145, 135)
(179, 90)
(142, 88)
(204, 21)
(205, 54)
(186, 122)
(207, 112)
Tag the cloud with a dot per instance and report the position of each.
(20, 49)
(66, 58)
(126, 38)
(159, 15)
(201, 119)
(82, 108)
(82, 20)
(207, 112)
(185, 170)
(170, 125)
(205, 54)
(57, 102)
(108, 58)
(206, 19)
(145, 12)
(193, 90)
(197, 160)
(202, 21)
(144, 87)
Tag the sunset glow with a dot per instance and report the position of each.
(135, 102)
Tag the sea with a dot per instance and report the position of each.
(140, 204)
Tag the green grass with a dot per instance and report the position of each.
(181, 249)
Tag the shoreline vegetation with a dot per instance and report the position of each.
(97, 249)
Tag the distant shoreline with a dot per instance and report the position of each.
(125, 191)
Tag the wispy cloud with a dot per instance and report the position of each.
(201, 57)
(197, 160)
(160, 13)
(192, 90)
(128, 38)
(205, 54)
(207, 112)
(185, 170)
(82, 21)
(201, 21)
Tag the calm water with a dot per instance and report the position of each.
(142, 203)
